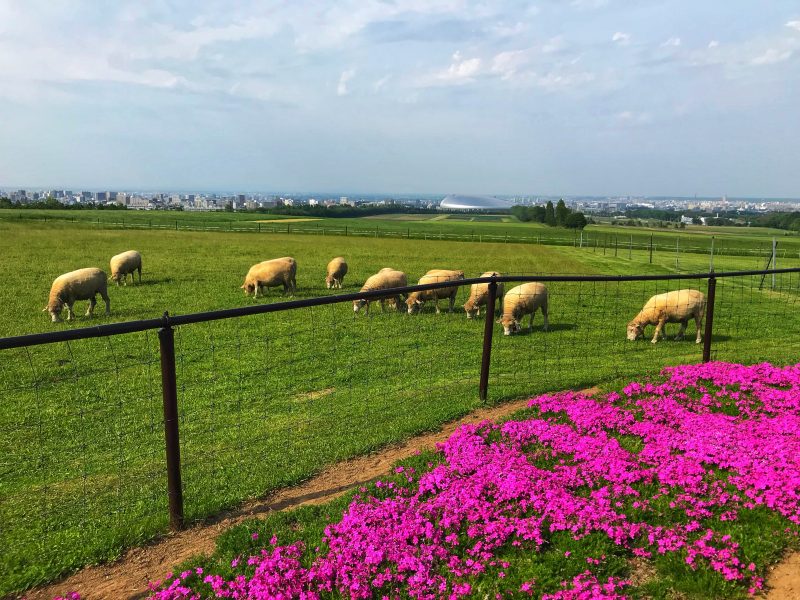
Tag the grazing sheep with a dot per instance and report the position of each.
(416, 300)
(523, 300)
(672, 307)
(384, 279)
(337, 269)
(271, 273)
(83, 284)
(127, 262)
(479, 295)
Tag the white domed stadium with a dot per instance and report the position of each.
(462, 202)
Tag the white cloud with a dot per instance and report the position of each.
(623, 39)
(793, 25)
(508, 64)
(589, 4)
(344, 78)
(381, 83)
(632, 118)
(673, 41)
(461, 70)
(771, 56)
(713, 44)
(554, 44)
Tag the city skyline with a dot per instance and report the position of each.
(586, 97)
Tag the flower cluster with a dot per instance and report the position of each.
(703, 444)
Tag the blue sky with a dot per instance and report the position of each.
(505, 97)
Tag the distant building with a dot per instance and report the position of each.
(462, 202)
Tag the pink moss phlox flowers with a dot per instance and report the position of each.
(706, 442)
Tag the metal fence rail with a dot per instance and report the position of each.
(238, 405)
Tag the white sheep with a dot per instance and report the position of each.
(124, 263)
(384, 279)
(83, 284)
(416, 300)
(523, 300)
(271, 273)
(671, 307)
(479, 295)
(337, 269)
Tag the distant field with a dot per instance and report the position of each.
(266, 401)
(753, 242)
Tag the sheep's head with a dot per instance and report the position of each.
(357, 304)
(54, 308)
(328, 281)
(117, 277)
(414, 304)
(249, 288)
(510, 325)
(635, 331)
(471, 309)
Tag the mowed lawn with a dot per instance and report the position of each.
(266, 401)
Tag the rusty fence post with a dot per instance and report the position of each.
(166, 343)
(488, 329)
(712, 290)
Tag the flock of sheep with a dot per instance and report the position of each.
(671, 307)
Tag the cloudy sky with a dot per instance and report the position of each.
(550, 97)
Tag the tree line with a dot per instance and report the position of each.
(559, 215)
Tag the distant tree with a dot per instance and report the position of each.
(576, 220)
(549, 214)
(522, 213)
(562, 212)
(228, 207)
(538, 214)
(697, 221)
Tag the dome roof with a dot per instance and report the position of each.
(462, 202)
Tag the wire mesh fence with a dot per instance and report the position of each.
(267, 399)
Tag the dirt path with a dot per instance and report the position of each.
(128, 577)
(783, 582)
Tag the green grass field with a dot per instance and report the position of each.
(753, 242)
(267, 401)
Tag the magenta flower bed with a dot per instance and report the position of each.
(701, 445)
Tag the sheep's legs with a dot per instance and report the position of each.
(659, 329)
(452, 302)
(698, 321)
(92, 302)
(681, 330)
(70, 314)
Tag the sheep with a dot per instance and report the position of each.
(384, 279)
(127, 262)
(523, 300)
(337, 269)
(416, 300)
(479, 294)
(83, 284)
(672, 307)
(271, 273)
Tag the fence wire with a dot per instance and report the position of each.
(267, 400)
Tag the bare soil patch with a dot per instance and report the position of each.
(128, 577)
(783, 582)
(293, 220)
